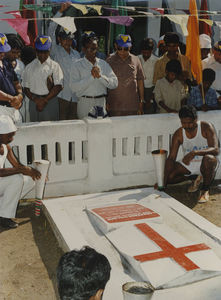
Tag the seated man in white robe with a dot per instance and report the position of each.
(15, 181)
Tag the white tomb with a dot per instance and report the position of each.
(146, 235)
(149, 247)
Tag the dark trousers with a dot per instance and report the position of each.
(67, 110)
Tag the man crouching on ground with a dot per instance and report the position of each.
(200, 148)
(13, 185)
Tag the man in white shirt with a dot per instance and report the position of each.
(13, 184)
(42, 82)
(90, 78)
(214, 62)
(65, 55)
(148, 61)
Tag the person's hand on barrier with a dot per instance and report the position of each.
(188, 157)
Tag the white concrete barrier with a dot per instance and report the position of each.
(99, 155)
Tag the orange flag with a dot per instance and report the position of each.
(193, 43)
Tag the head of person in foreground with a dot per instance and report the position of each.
(82, 274)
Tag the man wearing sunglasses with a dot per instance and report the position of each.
(128, 98)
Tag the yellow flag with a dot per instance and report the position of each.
(193, 43)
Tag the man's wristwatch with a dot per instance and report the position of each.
(142, 101)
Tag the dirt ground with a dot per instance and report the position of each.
(29, 254)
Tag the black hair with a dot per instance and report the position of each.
(14, 41)
(188, 111)
(209, 75)
(81, 273)
(88, 38)
(174, 66)
(146, 44)
(171, 38)
(28, 54)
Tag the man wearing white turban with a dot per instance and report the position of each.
(13, 184)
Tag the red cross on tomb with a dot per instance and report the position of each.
(168, 250)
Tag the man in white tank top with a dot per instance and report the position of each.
(13, 184)
(200, 147)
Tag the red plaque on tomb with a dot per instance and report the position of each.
(124, 213)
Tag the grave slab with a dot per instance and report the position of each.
(155, 218)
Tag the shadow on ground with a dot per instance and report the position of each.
(210, 210)
(45, 240)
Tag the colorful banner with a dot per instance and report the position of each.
(181, 20)
(15, 13)
(44, 9)
(75, 1)
(66, 22)
(208, 22)
(20, 25)
(119, 20)
(84, 10)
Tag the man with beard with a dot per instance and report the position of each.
(200, 148)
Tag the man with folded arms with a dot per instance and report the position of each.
(42, 82)
(10, 89)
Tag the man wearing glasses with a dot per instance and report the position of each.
(128, 98)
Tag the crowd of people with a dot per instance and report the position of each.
(53, 81)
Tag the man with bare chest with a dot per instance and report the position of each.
(200, 148)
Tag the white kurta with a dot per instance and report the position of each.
(12, 189)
